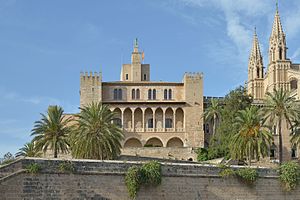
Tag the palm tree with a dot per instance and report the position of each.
(213, 112)
(280, 106)
(97, 137)
(252, 140)
(52, 131)
(29, 150)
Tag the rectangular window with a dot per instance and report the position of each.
(145, 77)
(126, 76)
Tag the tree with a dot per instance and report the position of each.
(234, 101)
(7, 158)
(29, 150)
(213, 113)
(252, 139)
(52, 131)
(97, 137)
(280, 106)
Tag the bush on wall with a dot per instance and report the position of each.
(148, 174)
(289, 174)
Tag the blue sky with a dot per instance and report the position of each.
(45, 44)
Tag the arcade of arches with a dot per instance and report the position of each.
(167, 122)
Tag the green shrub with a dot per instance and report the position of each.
(202, 154)
(66, 166)
(151, 173)
(33, 168)
(249, 175)
(289, 174)
(228, 172)
(132, 180)
(148, 174)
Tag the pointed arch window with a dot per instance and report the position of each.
(165, 94)
(154, 94)
(170, 94)
(133, 94)
(120, 94)
(137, 93)
(149, 94)
(115, 94)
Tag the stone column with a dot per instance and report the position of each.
(154, 123)
(164, 120)
(174, 120)
(132, 119)
(122, 118)
(143, 120)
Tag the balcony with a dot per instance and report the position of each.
(160, 130)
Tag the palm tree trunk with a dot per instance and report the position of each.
(55, 150)
(249, 155)
(215, 125)
(280, 141)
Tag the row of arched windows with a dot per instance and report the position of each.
(135, 93)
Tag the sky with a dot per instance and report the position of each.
(44, 45)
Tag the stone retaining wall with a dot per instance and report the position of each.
(105, 180)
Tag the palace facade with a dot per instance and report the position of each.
(281, 73)
(151, 113)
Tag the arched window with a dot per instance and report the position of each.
(118, 122)
(257, 72)
(154, 94)
(133, 94)
(165, 94)
(170, 94)
(294, 84)
(149, 94)
(120, 94)
(280, 53)
(150, 123)
(115, 94)
(137, 93)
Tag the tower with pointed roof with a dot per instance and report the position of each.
(136, 71)
(281, 73)
(256, 71)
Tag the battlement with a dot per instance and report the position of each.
(193, 75)
(86, 75)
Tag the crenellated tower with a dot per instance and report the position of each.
(90, 88)
(255, 71)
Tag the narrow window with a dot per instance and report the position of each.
(294, 152)
(126, 76)
(165, 94)
(280, 53)
(154, 94)
(170, 94)
(257, 72)
(137, 93)
(149, 94)
(145, 77)
(207, 128)
(115, 94)
(120, 94)
(133, 94)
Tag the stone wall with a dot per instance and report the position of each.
(105, 180)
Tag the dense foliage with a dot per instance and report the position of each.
(52, 132)
(33, 168)
(279, 106)
(96, 136)
(249, 175)
(252, 139)
(289, 174)
(233, 102)
(148, 174)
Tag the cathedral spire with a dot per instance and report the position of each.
(255, 60)
(277, 46)
(255, 52)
